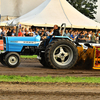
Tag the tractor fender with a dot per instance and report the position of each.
(59, 37)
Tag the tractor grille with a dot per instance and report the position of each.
(4, 42)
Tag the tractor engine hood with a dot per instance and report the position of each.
(15, 44)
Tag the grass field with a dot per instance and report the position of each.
(23, 56)
(66, 79)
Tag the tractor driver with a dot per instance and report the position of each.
(56, 31)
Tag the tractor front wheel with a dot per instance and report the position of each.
(12, 59)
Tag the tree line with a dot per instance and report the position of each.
(86, 7)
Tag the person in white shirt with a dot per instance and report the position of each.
(90, 34)
(14, 33)
(0, 31)
(31, 33)
(23, 31)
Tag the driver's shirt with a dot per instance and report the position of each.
(56, 33)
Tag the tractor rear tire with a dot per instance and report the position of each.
(61, 54)
(42, 55)
(12, 59)
(42, 61)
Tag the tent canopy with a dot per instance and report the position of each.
(57, 12)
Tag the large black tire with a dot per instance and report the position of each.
(12, 59)
(42, 55)
(61, 53)
(2, 59)
(42, 61)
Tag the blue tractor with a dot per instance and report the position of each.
(54, 52)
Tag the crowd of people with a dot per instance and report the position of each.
(23, 32)
(83, 35)
(75, 35)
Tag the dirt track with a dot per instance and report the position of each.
(47, 91)
(34, 68)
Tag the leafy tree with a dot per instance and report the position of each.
(87, 7)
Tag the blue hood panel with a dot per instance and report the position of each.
(15, 44)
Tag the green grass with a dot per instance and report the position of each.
(23, 56)
(28, 56)
(67, 79)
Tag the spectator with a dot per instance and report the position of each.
(75, 35)
(7, 29)
(3, 28)
(23, 31)
(81, 37)
(20, 33)
(93, 38)
(43, 35)
(14, 33)
(14, 28)
(26, 34)
(90, 34)
(86, 33)
(70, 31)
(0, 33)
(67, 33)
(72, 35)
(50, 31)
(31, 31)
(87, 38)
(46, 32)
(78, 33)
(0, 30)
(9, 33)
(97, 38)
(99, 33)
(42, 29)
(61, 32)
(26, 29)
(31, 34)
(37, 32)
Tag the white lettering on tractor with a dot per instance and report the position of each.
(25, 42)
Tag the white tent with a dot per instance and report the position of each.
(57, 12)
